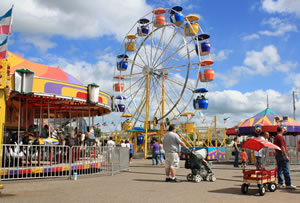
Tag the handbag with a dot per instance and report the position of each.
(233, 153)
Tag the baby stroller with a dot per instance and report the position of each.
(195, 160)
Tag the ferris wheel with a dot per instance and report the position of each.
(163, 61)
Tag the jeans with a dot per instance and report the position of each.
(258, 161)
(236, 159)
(283, 170)
(162, 157)
(155, 157)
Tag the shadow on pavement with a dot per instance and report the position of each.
(158, 181)
(149, 173)
(6, 195)
(232, 180)
(235, 191)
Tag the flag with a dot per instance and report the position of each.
(5, 22)
(98, 125)
(175, 119)
(104, 124)
(3, 49)
(113, 123)
(226, 119)
(201, 114)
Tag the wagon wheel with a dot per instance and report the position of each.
(244, 188)
(262, 190)
(272, 187)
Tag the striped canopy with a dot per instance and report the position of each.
(267, 120)
(40, 70)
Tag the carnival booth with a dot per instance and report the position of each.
(269, 120)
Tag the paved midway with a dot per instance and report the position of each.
(145, 183)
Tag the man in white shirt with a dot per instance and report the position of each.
(259, 154)
(171, 144)
(111, 143)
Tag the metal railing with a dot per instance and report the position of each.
(294, 155)
(42, 161)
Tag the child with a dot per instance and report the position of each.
(244, 158)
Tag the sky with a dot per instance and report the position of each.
(254, 45)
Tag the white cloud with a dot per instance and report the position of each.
(42, 43)
(221, 55)
(250, 37)
(257, 62)
(262, 62)
(239, 106)
(100, 73)
(76, 18)
(294, 79)
(282, 6)
(280, 27)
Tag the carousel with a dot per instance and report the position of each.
(37, 102)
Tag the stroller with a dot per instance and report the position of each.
(195, 160)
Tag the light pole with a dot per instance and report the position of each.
(294, 105)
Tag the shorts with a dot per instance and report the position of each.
(172, 160)
(130, 155)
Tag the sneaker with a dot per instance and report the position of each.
(174, 180)
(168, 179)
(293, 187)
(281, 186)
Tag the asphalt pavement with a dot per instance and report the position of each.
(144, 182)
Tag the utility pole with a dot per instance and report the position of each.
(294, 107)
(294, 103)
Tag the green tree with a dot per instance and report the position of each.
(98, 132)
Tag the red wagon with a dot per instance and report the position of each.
(265, 179)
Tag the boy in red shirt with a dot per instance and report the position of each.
(244, 158)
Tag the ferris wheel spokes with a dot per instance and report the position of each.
(164, 49)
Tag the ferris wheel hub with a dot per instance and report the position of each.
(147, 70)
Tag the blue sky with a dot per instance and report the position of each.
(255, 46)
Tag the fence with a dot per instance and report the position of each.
(294, 155)
(36, 161)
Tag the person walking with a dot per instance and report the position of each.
(258, 154)
(129, 145)
(161, 154)
(155, 153)
(171, 144)
(122, 143)
(236, 152)
(282, 159)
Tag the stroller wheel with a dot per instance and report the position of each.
(198, 178)
(212, 178)
(189, 177)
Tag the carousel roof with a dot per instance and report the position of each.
(40, 70)
(64, 91)
(266, 119)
